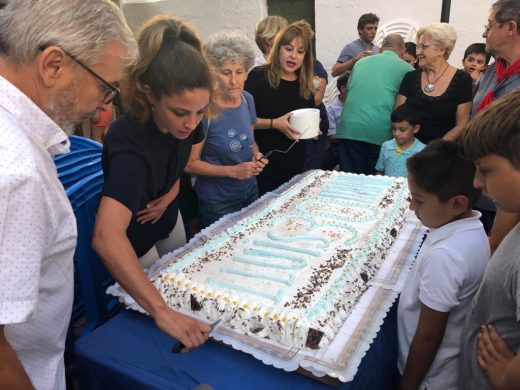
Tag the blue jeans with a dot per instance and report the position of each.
(212, 211)
(358, 156)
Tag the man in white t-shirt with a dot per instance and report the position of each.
(59, 60)
(448, 269)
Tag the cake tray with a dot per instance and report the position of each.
(341, 358)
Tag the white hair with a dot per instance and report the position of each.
(442, 35)
(82, 28)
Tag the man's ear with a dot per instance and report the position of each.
(51, 65)
(512, 27)
(416, 128)
(459, 204)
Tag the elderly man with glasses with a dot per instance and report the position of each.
(60, 61)
(502, 34)
(490, 354)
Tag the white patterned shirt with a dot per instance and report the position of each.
(37, 239)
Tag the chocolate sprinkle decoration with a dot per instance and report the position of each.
(195, 305)
(319, 277)
(313, 338)
(364, 276)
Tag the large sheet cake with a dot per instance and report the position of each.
(294, 269)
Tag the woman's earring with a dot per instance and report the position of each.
(153, 108)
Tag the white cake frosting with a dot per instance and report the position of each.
(292, 271)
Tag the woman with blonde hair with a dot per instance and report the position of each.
(165, 96)
(282, 85)
(441, 92)
(266, 31)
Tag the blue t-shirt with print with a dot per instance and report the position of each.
(392, 162)
(229, 141)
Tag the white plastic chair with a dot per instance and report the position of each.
(405, 28)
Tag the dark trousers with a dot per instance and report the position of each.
(358, 156)
(331, 157)
(268, 184)
(314, 152)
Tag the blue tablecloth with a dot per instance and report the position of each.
(129, 352)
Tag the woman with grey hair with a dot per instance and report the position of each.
(227, 161)
(441, 92)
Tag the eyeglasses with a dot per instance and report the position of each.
(488, 27)
(423, 46)
(112, 92)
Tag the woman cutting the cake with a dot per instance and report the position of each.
(227, 162)
(165, 95)
(282, 85)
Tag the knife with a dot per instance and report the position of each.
(178, 347)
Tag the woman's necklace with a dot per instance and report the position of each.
(431, 85)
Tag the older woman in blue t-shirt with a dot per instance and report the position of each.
(227, 161)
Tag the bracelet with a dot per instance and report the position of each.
(271, 123)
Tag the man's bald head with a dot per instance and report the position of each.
(393, 42)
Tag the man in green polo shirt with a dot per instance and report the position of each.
(365, 120)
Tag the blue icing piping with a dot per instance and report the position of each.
(287, 281)
(309, 252)
(222, 238)
(344, 188)
(232, 286)
(357, 260)
(324, 243)
(240, 259)
(260, 252)
(271, 234)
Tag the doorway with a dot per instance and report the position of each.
(294, 10)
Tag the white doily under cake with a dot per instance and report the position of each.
(341, 358)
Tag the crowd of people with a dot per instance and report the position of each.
(209, 125)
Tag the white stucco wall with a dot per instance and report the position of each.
(208, 16)
(336, 20)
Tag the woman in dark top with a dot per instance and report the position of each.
(282, 85)
(438, 90)
(165, 96)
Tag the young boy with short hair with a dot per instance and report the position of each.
(448, 269)
(475, 62)
(394, 153)
(492, 141)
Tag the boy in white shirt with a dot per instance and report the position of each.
(448, 269)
